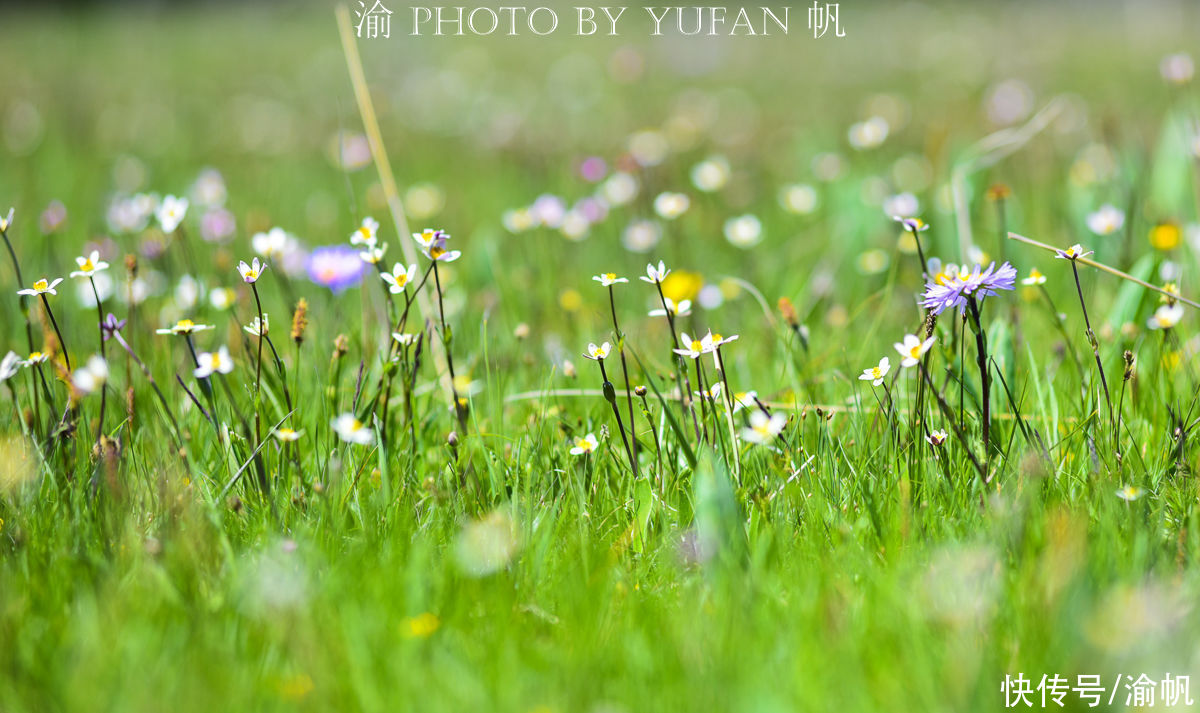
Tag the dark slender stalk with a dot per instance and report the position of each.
(103, 355)
(680, 370)
(984, 380)
(620, 337)
(460, 409)
(610, 395)
(1091, 337)
(57, 332)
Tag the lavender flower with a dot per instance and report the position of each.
(952, 291)
(337, 267)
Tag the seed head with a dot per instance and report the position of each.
(300, 321)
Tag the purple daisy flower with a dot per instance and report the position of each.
(337, 267)
(953, 293)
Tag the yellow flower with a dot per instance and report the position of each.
(682, 285)
(421, 626)
(296, 687)
(1166, 236)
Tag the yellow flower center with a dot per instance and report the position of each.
(41, 285)
(36, 356)
(915, 352)
(436, 252)
(696, 345)
(875, 373)
(87, 265)
(365, 232)
(216, 361)
(184, 325)
(610, 275)
(402, 280)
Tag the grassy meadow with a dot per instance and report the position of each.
(250, 459)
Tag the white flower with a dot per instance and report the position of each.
(1177, 68)
(869, 134)
(36, 358)
(1166, 316)
(655, 275)
(210, 363)
(744, 399)
(90, 377)
(185, 326)
(250, 273)
(373, 254)
(713, 394)
(744, 231)
(585, 445)
(936, 438)
(876, 374)
(404, 338)
(89, 265)
(41, 287)
(11, 364)
(763, 428)
(619, 188)
(598, 353)
(366, 233)
(222, 298)
(399, 277)
(287, 435)
(711, 174)
(682, 309)
(255, 329)
(1072, 253)
(6, 221)
(800, 198)
(271, 244)
(1107, 220)
(692, 347)
(912, 349)
(901, 204)
(670, 206)
(170, 213)
(1130, 493)
(1035, 278)
(351, 430)
(607, 279)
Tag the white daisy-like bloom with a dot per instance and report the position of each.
(351, 430)
(1129, 493)
(744, 231)
(716, 340)
(6, 221)
(518, 220)
(1177, 68)
(711, 174)
(272, 244)
(11, 364)
(222, 298)
(399, 278)
(1166, 316)
(763, 428)
(438, 252)
(692, 347)
(713, 394)
(670, 206)
(912, 349)
(373, 254)
(598, 352)
(744, 399)
(89, 265)
(184, 326)
(798, 198)
(1035, 278)
(259, 330)
(404, 338)
(681, 309)
(36, 358)
(427, 237)
(868, 134)
(655, 275)
(366, 234)
(901, 204)
(90, 377)
(876, 374)
(211, 363)
(1074, 252)
(287, 435)
(1107, 220)
(608, 279)
(936, 438)
(250, 273)
(585, 445)
(41, 287)
(619, 188)
(170, 213)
